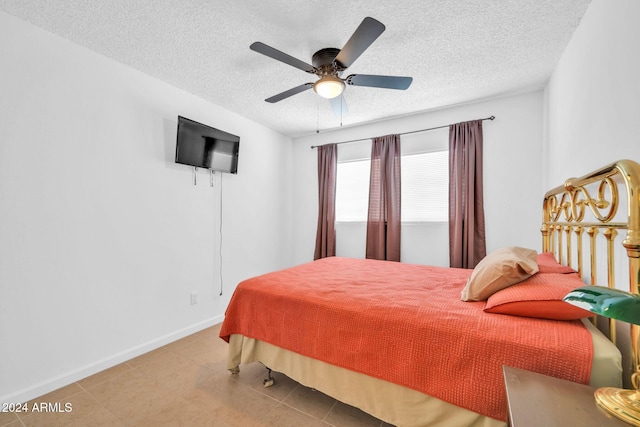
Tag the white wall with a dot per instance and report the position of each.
(592, 101)
(102, 236)
(512, 163)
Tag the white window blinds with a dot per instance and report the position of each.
(425, 188)
(352, 190)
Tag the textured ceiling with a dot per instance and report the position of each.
(456, 50)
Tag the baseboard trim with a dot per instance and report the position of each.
(55, 383)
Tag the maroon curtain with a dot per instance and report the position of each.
(467, 243)
(383, 222)
(327, 171)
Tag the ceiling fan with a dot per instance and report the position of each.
(329, 63)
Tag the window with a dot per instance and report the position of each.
(425, 188)
(352, 190)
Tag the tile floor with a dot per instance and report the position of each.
(186, 383)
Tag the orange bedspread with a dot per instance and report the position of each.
(405, 324)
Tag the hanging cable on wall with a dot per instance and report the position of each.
(220, 236)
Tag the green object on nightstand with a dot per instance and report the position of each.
(624, 306)
(612, 303)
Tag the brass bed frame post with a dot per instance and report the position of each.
(567, 231)
(545, 235)
(593, 277)
(610, 235)
(634, 271)
(592, 232)
(578, 230)
(630, 172)
(546, 229)
(560, 251)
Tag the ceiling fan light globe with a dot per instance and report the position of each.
(329, 87)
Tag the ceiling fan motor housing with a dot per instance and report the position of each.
(324, 60)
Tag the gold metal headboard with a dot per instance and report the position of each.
(590, 205)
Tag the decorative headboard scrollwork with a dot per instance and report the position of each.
(590, 204)
(575, 200)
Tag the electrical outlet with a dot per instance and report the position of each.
(194, 298)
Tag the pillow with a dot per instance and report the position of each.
(547, 264)
(501, 268)
(539, 296)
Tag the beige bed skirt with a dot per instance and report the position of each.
(390, 402)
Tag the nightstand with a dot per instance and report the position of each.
(538, 400)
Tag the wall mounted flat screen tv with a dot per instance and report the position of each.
(206, 147)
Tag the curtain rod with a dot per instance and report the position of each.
(403, 133)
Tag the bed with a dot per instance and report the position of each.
(397, 340)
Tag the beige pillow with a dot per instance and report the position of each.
(498, 270)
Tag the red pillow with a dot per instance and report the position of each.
(547, 264)
(539, 296)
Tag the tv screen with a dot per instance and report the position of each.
(202, 146)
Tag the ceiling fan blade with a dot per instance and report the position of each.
(368, 31)
(339, 105)
(290, 92)
(281, 56)
(387, 82)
